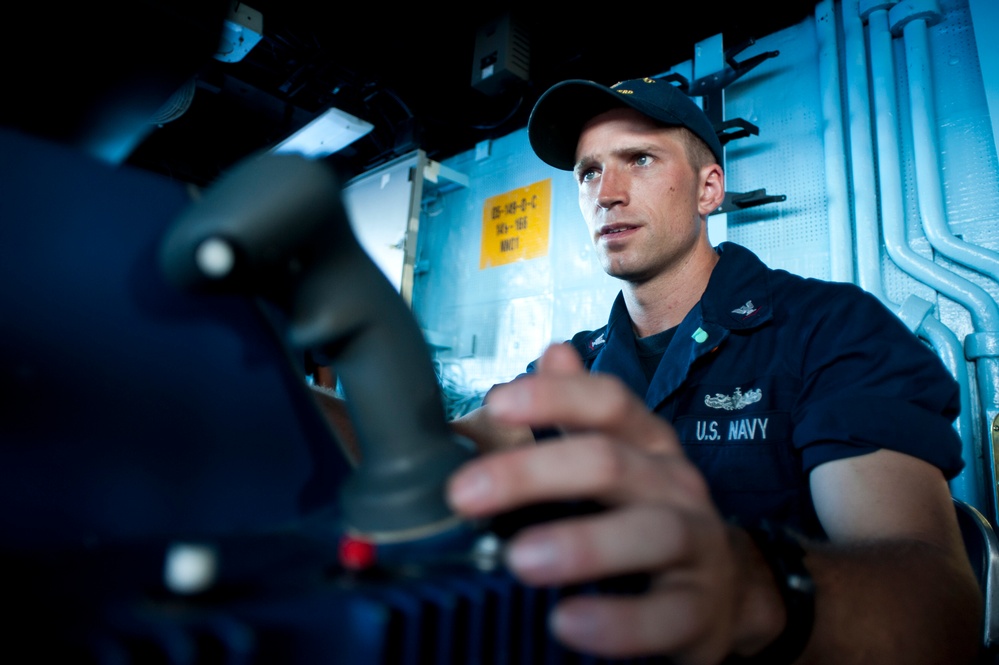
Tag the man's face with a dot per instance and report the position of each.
(639, 195)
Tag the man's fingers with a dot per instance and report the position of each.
(646, 537)
(585, 466)
(676, 620)
(561, 359)
(589, 402)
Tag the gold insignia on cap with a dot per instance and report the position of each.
(626, 92)
(648, 80)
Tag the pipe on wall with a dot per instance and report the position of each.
(929, 188)
(914, 313)
(837, 187)
(912, 20)
(861, 149)
(982, 309)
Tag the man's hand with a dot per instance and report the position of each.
(894, 584)
(710, 593)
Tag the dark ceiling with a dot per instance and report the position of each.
(408, 70)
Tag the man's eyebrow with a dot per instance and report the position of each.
(622, 151)
(584, 163)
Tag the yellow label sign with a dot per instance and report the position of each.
(515, 225)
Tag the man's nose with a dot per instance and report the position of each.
(613, 188)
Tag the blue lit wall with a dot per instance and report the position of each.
(816, 105)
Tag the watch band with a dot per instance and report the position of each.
(785, 556)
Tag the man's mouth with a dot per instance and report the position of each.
(615, 229)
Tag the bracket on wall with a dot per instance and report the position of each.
(734, 70)
(710, 88)
(736, 128)
(714, 82)
(714, 69)
(741, 200)
(682, 82)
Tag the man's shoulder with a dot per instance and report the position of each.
(794, 292)
(744, 260)
(586, 342)
(589, 342)
(744, 277)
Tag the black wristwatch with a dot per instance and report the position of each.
(785, 556)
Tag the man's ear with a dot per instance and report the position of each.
(711, 192)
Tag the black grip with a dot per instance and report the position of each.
(275, 227)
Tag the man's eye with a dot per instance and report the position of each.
(643, 160)
(587, 175)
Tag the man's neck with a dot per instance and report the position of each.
(661, 303)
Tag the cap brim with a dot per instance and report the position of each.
(559, 115)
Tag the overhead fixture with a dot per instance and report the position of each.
(502, 55)
(242, 30)
(329, 132)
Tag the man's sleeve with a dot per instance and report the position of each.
(869, 383)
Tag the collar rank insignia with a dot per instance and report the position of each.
(733, 402)
(746, 310)
(599, 341)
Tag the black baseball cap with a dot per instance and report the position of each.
(560, 113)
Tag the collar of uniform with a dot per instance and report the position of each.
(738, 295)
(618, 351)
(618, 315)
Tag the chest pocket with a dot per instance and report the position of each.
(739, 435)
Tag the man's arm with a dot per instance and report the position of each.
(898, 578)
(893, 585)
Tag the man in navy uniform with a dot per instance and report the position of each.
(772, 451)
